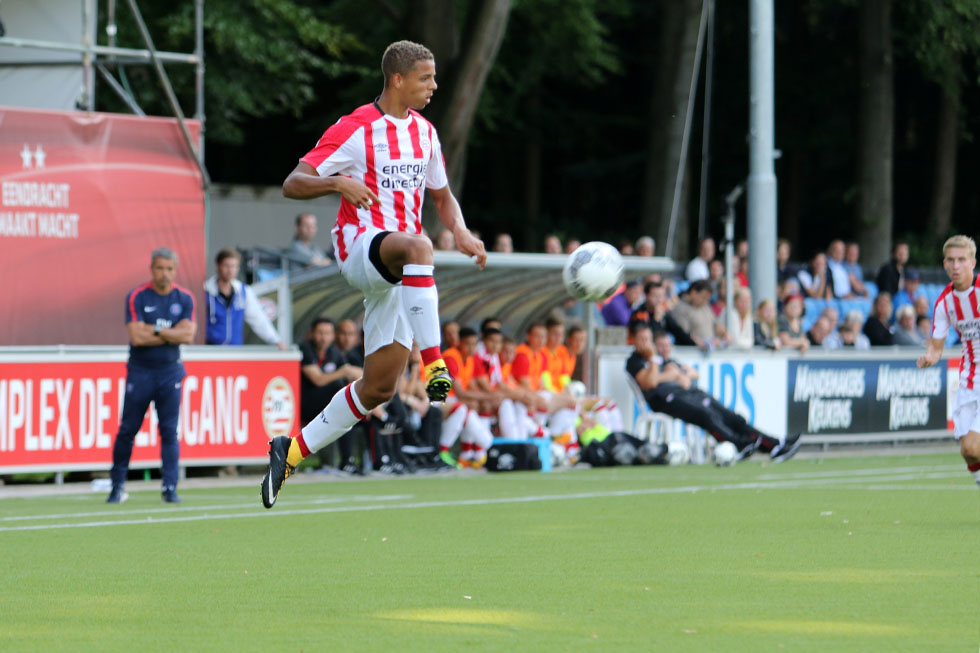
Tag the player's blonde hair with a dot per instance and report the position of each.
(401, 56)
(960, 240)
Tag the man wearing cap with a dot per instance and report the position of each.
(909, 291)
(619, 308)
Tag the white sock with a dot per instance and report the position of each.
(563, 421)
(344, 411)
(421, 302)
(477, 431)
(452, 426)
(976, 477)
(507, 419)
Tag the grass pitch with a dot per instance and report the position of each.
(873, 554)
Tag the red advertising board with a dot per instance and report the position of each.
(84, 199)
(61, 412)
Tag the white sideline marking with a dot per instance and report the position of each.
(476, 502)
(860, 472)
(225, 506)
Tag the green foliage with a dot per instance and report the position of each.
(940, 36)
(262, 58)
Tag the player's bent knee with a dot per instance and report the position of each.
(970, 446)
(418, 251)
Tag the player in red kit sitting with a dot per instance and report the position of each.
(381, 158)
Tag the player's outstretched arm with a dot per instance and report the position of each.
(303, 183)
(452, 217)
(934, 351)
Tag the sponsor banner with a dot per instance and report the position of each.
(84, 199)
(64, 415)
(865, 396)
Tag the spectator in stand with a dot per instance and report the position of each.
(350, 344)
(740, 270)
(766, 325)
(303, 252)
(694, 315)
(890, 275)
(838, 278)
(716, 277)
(923, 324)
(669, 286)
(786, 288)
(503, 243)
(655, 314)
(626, 247)
(445, 241)
(741, 326)
(791, 325)
(697, 269)
(450, 334)
(832, 340)
(619, 308)
(854, 272)
(818, 333)
(784, 269)
(572, 245)
(644, 246)
(742, 248)
(876, 327)
(905, 333)
(922, 307)
(910, 291)
(815, 281)
(229, 304)
(552, 244)
(850, 332)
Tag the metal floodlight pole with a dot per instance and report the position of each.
(709, 76)
(761, 200)
(169, 91)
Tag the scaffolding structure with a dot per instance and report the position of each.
(97, 58)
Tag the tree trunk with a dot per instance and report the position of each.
(482, 44)
(944, 183)
(433, 23)
(876, 131)
(674, 60)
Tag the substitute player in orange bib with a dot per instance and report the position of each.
(957, 307)
(381, 158)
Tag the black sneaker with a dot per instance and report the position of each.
(279, 470)
(747, 450)
(117, 495)
(350, 467)
(787, 449)
(170, 496)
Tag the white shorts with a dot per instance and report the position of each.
(966, 412)
(385, 320)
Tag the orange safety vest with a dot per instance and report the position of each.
(536, 365)
(465, 370)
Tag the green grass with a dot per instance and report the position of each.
(842, 555)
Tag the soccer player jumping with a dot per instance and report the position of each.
(957, 306)
(380, 158)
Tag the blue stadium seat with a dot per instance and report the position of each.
(872, 288)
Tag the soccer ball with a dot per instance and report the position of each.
(559, 455)
(576, 389)
(593, 271)
(677, 453)
(725, 454)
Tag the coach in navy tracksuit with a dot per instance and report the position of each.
(159, 318)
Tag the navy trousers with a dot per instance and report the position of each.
(162, 387)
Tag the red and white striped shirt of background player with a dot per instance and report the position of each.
(959, 309)
(396, 158)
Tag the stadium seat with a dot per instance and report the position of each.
(648, 425)
(872, 289)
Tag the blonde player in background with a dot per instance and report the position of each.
(957, 307)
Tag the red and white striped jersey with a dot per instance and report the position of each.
(959, 309)
(397, 158)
